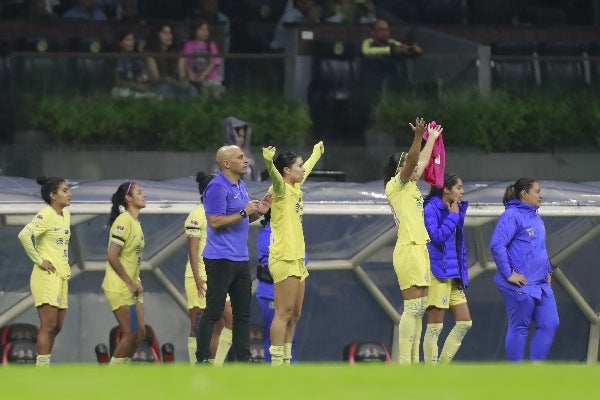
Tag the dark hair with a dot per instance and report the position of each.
(285, 159)
(450, 179)
(389, 169)
(203, 181)
(122, 34)
(197, 24)
(49, 185)
(513, 191)
(153, 42)
(266, 218)
(118, 199)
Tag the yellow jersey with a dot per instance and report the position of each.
(125, 232)
(407, 206)
(195, 226)
(287, 208)
(46, 237)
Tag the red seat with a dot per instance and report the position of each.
(18, 331)
(150, 350)
(366, 351)
(18, 352)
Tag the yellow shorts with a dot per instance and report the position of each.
(444, 293)
(49, 288)
(411, 264)
(193, 298)
(283, 269)
(120, 299)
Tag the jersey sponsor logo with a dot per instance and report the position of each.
(530, 232)
(60, 241)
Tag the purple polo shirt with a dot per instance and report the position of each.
(223, 197)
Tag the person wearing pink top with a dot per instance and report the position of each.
(202, 63)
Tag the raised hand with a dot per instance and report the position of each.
(434, 131)
(419, 127)
(320, 146)
(269, 153)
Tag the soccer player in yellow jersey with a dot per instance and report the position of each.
(411, 259)
(286, 258)
(46, 242)
(122, 285)
(195, 282)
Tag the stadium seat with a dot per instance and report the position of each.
(149, 351)
(18, 344)
(91, 74)
(18, 331)
(500, 12)
(441, 11)
(40, 72)
(18, 352)
(366, 351)
(513, 74)
(566, 73)
(333, 93)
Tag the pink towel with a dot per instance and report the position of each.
(434, 172)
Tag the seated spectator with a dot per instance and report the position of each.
(384, 59)
(202, 62)
(208, 10)
(166, 72)
(303, 11)
(350, 11)
(41, 9)
(130, 79)
(86, 10)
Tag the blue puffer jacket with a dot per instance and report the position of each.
(447, 252)
(519, 244)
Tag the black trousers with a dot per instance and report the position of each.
(233, 277)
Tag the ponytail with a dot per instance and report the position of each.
(203, 180)
(118, 201)
(513, 191)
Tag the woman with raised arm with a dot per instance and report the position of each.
(411, 259)
(286, 258)
(46, 242)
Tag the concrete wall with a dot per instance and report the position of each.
(361, 164)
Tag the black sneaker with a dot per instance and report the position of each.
(204, 362)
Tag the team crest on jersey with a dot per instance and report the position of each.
(120, 228)
(39, 216)
(194, 222)
(444, 300)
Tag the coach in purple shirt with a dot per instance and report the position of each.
(229, 212)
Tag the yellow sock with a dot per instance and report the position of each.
(192, 350)
(454, 340)
(407, 328)
(119, 361)
(430, 343)
(223, 347)
(276, 355)
(287, 353)
(43, 360)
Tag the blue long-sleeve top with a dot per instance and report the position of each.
(263, 242)
(519, 244)
(447, 251)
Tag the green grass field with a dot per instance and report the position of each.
(302, 381)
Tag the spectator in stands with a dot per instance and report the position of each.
(350, 11)
(46, 242)
(384, 60)
(303, 11)
(444, 219)
(122, 284)
(166, 70)
(524, 274)
(86, 10)
(264, 290)
(130, 79)
(195, 282)
(411, 258)
(239, 133)
(202, 62)
(208, 10)
(40, 9)
(229, 212)
(287, 251)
